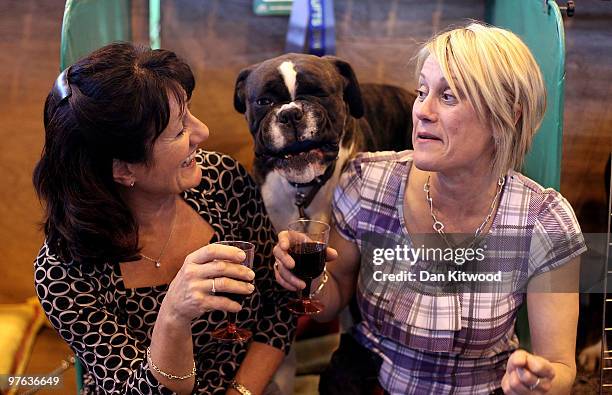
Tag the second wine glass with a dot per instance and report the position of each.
(231, 333)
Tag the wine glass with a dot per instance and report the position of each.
(231, 333)
(308, 241)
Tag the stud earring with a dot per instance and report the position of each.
(132, 184)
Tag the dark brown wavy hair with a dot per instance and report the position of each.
(117, 107)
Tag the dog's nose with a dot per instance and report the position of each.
(290, 115)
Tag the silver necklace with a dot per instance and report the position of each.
(438, 226)
(157, 261)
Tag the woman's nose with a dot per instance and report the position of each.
(425, 110)
(200, 132)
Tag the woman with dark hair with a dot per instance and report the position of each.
(128, 271)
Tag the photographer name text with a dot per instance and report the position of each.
(426, 276)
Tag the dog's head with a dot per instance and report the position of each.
(297, 107)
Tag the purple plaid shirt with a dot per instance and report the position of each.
(447, 342)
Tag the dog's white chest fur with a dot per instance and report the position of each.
(279, 197)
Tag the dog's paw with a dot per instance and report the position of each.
(589, 357)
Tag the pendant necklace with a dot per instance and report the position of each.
(158, 260)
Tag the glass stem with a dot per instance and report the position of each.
(307, 289)
(231, 322)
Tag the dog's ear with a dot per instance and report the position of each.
(240, 89)
(352, 93)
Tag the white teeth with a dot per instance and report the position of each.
(187, 161)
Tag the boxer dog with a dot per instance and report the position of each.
(308, 115)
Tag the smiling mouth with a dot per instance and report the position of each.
(190, 160)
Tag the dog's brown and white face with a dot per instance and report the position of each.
(296, 107)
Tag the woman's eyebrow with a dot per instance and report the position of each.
(183, 110)
(443, 82)
(442, 79)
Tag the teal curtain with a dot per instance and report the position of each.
(79, 374)
(155, 24)
(90, 24)
(540, 26)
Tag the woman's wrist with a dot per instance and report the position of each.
(169, 376)
(238, 388)
(564, 377)
(319, 283)
(170, 319)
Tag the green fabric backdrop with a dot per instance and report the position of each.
(540, 26)
(90, 24)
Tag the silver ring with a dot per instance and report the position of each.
(534, 385)
(213, 290)
(276, 265)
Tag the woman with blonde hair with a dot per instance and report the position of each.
(480, 100)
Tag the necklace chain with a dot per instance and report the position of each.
(157, 261)
(438, 226)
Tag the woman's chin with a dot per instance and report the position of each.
(192, 179)
(424, 162)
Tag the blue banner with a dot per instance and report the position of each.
(311, 28)
(316, 27)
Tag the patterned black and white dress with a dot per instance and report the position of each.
(109, 326)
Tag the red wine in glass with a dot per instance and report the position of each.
(308, 243)
(231, 332)
(309, 261)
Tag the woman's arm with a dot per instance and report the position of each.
(187, 298)
(258, 367)
(553, 318)
(105, 343)
(172, 352)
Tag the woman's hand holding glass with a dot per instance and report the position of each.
(231, 332)
(212, 268)
(285, 264)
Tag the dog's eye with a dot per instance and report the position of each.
(263, 102)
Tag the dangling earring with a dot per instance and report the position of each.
(132, 184)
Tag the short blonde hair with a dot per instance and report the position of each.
(495, 71)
